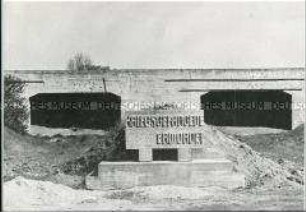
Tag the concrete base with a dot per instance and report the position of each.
(198, 173)
(207, 153)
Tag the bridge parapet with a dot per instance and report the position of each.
(168, 85)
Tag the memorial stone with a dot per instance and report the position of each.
(184, 131)
(148, 130)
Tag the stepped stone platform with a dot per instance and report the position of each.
(197, 173)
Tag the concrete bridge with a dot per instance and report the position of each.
(139, 89)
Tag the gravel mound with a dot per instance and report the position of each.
(284, 146)
(21, 192)
(26, 194)
(258, 170)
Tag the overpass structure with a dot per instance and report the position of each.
(192, 89)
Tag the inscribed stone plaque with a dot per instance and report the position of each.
(165, 129)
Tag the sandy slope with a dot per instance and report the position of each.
(257, 169)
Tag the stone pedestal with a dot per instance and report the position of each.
(197, 173)
(145, 155)
(197, 164)
(184, 154)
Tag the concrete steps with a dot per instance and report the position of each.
(199, 173)
(218, 179)
(167, 166)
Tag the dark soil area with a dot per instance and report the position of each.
(61, 157)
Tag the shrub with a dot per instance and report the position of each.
(15, 110)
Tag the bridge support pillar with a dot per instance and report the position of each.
(298, 108)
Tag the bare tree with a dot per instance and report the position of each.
(82, 63)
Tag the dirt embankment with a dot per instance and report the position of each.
(61, 159)
(67, 159)
(43, 158)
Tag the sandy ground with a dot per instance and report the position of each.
(275, 186)
(21, 194)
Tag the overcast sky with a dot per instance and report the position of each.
(155, 35)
